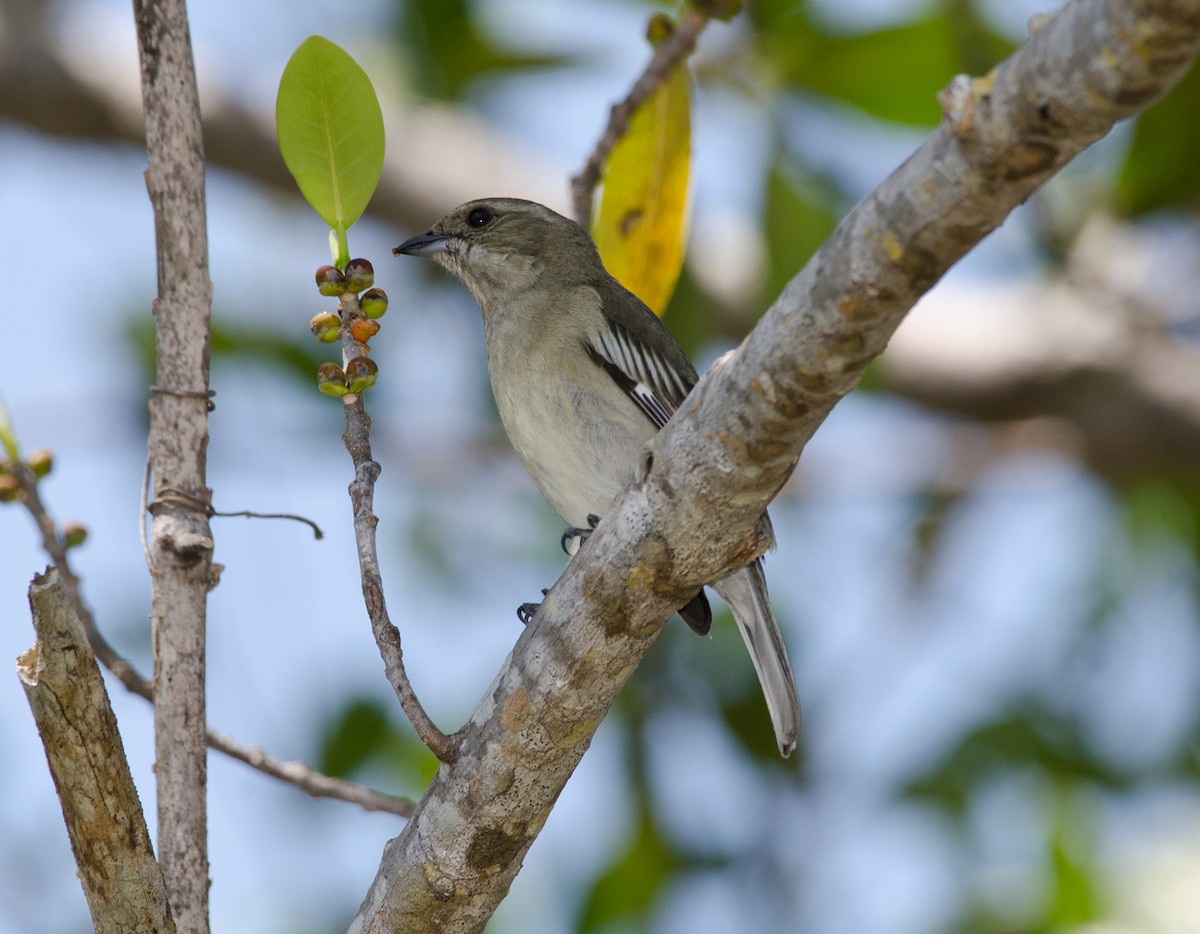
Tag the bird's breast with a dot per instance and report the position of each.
(578, 434)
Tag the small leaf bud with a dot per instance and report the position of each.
(659, 29)
(74, 534)
(9, 489)
(40, 462)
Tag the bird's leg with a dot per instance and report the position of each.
(578, 536)
(526, 610)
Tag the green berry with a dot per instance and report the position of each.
(360, 274)
(325, 327)
(331, 380)
(361, 373)
(331, 281)
(373, 303)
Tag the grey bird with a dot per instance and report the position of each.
(584, 376)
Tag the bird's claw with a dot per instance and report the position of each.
(526, 611)
(580, 535)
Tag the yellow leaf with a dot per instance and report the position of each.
(639, 226)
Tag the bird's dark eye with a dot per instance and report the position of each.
(479, 218)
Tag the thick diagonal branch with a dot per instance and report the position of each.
(735, 441)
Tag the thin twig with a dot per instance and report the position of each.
(317, 533)
(357, 439)
(56, 550)
(315, 783)
(666, 56)
(298, 774)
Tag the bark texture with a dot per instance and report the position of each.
(181, 544)
(122, 882)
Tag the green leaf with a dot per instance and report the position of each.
(639, 225)
(330, 131)
(1160, 168)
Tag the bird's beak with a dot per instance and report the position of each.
(426, 244)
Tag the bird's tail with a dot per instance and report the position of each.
(745, 590)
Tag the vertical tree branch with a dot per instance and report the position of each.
(180, 541)
(123, 885)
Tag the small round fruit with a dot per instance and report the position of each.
(331, 380)
(325, 327)
(360, 274)
(331, 281)
(361, 373)
(362, 330)
(374, 303)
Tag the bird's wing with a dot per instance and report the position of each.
(656, 386)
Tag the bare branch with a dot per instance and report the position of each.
(357, 439)
(315, 783)
(122, 882)
(181, 542)
(666, 56)
(693, 513)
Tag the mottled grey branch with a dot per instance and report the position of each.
(693, 512)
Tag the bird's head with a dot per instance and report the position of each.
(499, 247)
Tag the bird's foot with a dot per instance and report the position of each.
(573, 538)
(526, 611)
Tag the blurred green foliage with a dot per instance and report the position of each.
(1160, 169)
(296, 357)
(892, 73)
(447, 47)
(365, 735)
